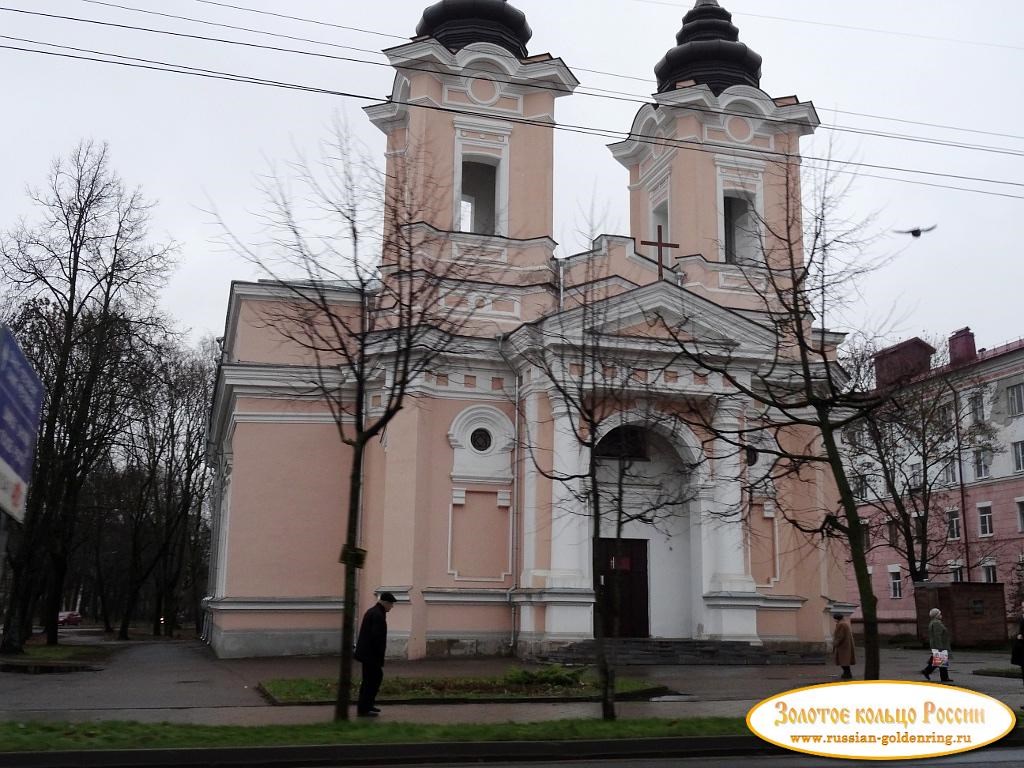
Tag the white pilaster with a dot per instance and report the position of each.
(730, 596)
(570, 532)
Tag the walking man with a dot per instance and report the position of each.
(371, 646)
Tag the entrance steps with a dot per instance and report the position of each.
(641, 651)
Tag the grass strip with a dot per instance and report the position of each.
(44, 736)
(323, 690)
(33, 652)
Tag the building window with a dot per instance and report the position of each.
(865, 532)
(920, 528)
(953, 527)
(479, 197)
(895, 584)
(985, 520)
(894, 533)
(741, 240)
(982, 460)
(977, 408)
(1015, 395)
(659, 218)
(957, 572)
(1020, 515)
(481, 440)
(945, 414)
(949, 472)
(1018, 456)
(625, 443)
(860, 487)
(916, 479)
(988, 572)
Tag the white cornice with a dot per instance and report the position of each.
(283, 290)
(274, 604)
(516, 77)
(699, 101)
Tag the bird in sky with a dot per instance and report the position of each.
(916, 232)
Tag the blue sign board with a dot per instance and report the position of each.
(21, 401)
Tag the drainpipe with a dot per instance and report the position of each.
(561, 284)
(514, 508)
(963, 490)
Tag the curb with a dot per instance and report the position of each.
(642, 694)
(346, 755)
(389, 754)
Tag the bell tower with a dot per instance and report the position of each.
(469, 130)
(714, 159)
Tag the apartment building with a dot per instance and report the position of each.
(941, 474)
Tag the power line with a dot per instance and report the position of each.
(584, 69)
(710, 148)
(853, 28)
(612, 95)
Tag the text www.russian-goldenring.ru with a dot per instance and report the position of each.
(884, 740)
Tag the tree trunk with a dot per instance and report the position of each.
(352, 561)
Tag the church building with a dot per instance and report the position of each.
(464, 516)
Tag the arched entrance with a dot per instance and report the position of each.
(643, 566)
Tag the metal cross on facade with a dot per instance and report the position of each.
(660, 244)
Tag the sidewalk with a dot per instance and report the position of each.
(181, 681)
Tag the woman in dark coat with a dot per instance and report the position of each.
(1017, 656)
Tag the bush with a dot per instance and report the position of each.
(554, 675)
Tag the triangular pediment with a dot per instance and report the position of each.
(662, 313)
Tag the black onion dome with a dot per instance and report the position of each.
(458, 23)
(708, 52)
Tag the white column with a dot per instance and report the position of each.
(528, 497)
(570, 533)
(730, 597)
(219, 578)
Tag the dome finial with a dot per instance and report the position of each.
(708, 52)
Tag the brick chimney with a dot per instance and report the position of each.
(961, 347)
(903, 361)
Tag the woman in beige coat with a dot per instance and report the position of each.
(842, 646)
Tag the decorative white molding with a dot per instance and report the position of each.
(458, 497)
(492, 465)
(554, 596)
(452, 571)
(463, 596)
(306, 605)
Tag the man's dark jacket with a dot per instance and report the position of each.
(373, 636)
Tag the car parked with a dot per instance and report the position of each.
(69, 618)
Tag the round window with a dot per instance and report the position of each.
(480, 439)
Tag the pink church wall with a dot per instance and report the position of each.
(451, 619)
(298, 469)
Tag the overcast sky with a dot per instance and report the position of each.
(936, 72)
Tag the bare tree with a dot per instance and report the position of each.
(372, 295)
(907, 459)
(86, 276)
(800, 265)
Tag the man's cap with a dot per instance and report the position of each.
(837, 616)
(387, 597)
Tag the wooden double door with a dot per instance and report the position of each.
(622, 587)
